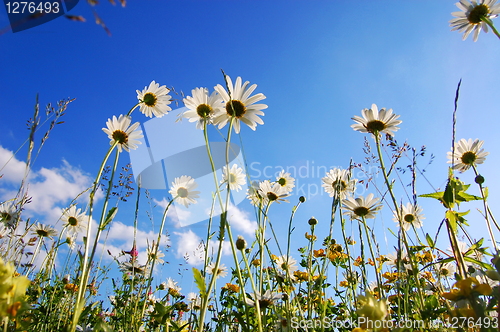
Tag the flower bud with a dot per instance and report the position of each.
(312, 221)
(241, 244)
(479, 179)
(302, 199)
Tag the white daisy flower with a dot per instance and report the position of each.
(182, 190)
(157, 258)
(337, 183)
(376, 122)
(133, 267)
(467, 153)
(172, 285)
(8, 213)
(234, 176)
(44, 231)
(286, 181)
(286, 263)
(265, 300)
(154, 100)
(272, 192)
(392, 260)
(221, 271)
(75, 220)
(447, 270)
(240, 105)
(194, 301)
(119, 130)
(472, 16)
(253, 194)
(361, 206)
(410, 215)
(202, 107)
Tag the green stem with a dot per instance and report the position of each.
(82, 286)
(490, 24)
(488, 223)
(254, 288)
(398, 214)
(379, 283)
(134, 107)
(156, 247)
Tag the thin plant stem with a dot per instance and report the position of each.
(488, 223)
(82, 286)
(379, 283)
(490, 24)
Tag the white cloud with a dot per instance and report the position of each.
(51, 190)
(11, 168)
(177, 214)
(190, 246)
(240, 221)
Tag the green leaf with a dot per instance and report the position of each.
(437, 195)
(448, 198)
(464, 197)
(200, 282)
(109, 217)
(482, 264)
(430, 242)
(452, 220)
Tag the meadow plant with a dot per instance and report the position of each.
(53, 279)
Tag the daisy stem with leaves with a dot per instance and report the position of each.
(85, 264)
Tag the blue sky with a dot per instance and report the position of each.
(318, 63)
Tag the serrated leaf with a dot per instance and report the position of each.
(467, 197)
(437, 195)
(200, 282)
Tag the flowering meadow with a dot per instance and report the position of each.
(339, 280)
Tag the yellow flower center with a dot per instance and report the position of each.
(409, 218)
(265, 303)
(361, 211)
(182, 192)
(375, 126)
(42, 233)
(477, 13)
(235, 108)
(150, 99)
(272, 196)
(468, 158)
(339, 185)
(72, 221)
(120, 136)
(204, 110)
(5, 216)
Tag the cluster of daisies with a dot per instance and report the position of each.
(234, 105)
